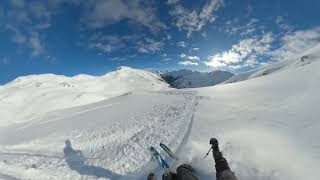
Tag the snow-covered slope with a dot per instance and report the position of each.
(191, 79)
(268, 129)
(113, 136)
(25, 97)
(298, 60)
(268, 126)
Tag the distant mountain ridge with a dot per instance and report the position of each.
(191, 79)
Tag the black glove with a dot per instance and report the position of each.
(169, 176)
(214, 143)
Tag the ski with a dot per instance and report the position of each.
(158, 157)
(168, 151)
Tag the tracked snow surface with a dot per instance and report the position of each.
(268, 126)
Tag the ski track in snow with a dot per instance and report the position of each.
(118, 151)
(183, 135)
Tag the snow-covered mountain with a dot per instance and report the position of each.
(297, 60)
(268, 126)
(191, 79)
(28, 96)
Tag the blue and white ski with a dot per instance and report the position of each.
(168, 151)
(158, 157)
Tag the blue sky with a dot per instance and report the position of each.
(94, 37)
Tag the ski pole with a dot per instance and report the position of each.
(207, 153)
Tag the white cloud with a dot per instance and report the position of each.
(168, 37)
(192, 20)
(248, 51)
(297, 42)
(206, 14)
(26, 20)
(182, 55)
(244, 30)
(101, 13)
(189, 57)
(279, 19)
(35, 44)
(32, 40)
(106, 48)
(182, 44)
(149, 46)
(284, 26)
(189, 60)
(187, 63)
(124, 58)
(193, 58)
(215, 63)
(119, 59)
(17, 37)
(249, 10)
(172, 1)
(110, 43)
(43, 26)
(243, 54)
(205, 35)
(30, 14)
(195, 49)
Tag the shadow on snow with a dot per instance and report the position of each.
(77, 162)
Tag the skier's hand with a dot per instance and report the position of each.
(214, 143)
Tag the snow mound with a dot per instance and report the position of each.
(44, 93)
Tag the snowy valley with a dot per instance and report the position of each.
(268, 124)
(191, 79)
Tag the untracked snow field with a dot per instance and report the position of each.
(268, 128)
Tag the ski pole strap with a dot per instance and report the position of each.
(207, 153)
